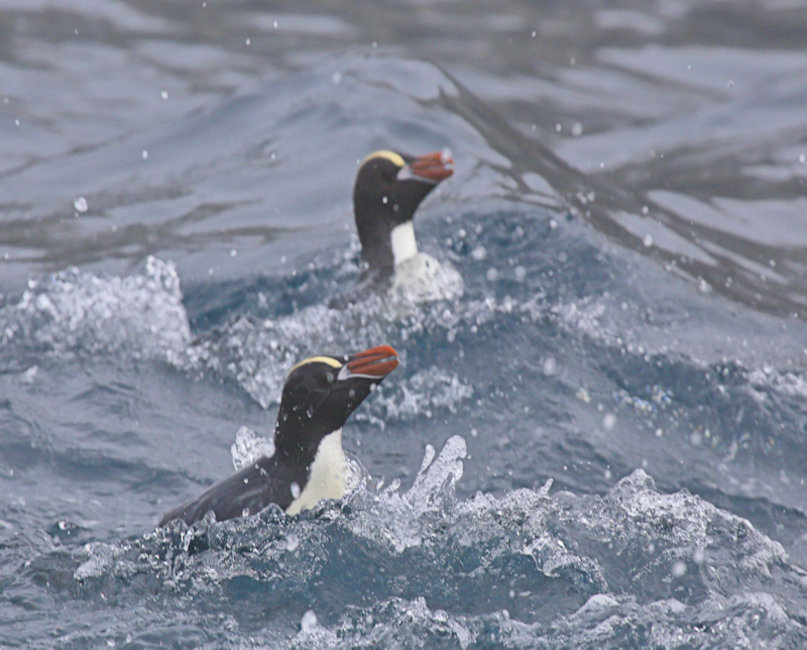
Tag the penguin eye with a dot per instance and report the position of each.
(388, 172)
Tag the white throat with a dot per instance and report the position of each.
(403, 242)
(327, 477)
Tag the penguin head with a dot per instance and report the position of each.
(320, 393)
(389, 188)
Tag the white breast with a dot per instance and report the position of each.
(403, 242)
(327, 478)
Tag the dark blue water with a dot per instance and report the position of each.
(596, 435)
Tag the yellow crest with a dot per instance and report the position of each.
(328, 361)
(394, 158)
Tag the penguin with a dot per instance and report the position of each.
(308, 464)
(389, 188)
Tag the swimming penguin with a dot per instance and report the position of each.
(309, 463)
(389, 188)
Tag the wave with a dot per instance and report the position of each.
(633, 566)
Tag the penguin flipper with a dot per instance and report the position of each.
(244, 493)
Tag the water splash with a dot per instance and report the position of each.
(405, 520)
(520, 569)
(257, 353)
(141, 314)
(422, 278)
(249, 447)
(420, 395)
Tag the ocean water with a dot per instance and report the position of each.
(596, 434)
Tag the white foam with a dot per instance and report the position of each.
(421, 278)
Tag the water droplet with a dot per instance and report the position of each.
(295, 490)
(704, 286)
(648, 240)
(608, 421)
(479, 253)
(549, 366)
(558, 127)
(679, 569)
(520, 273)
(336, 78)
(803, 158)
(309, 622)
(492, 275)
(384, 200)
(245, 512)
(577, 129)
(144, 154)
(310, 411)
(248, 41)
(645, 210)
(80, 204)
(164, 94)
(274, 24)
(233, 252)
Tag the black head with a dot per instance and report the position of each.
(389, 188)
(319, 395)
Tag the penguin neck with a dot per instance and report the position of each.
(327, 475)
(403, 242)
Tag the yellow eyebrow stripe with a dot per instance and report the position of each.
(394, 158)
(333, 363)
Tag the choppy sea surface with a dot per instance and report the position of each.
(596, 437)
